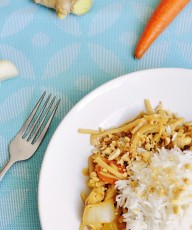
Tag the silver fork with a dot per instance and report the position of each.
(28, 139)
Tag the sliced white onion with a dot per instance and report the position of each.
(7, 70)
(103, 212)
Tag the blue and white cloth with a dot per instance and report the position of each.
(69, 58)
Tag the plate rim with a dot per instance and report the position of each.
(75, 107)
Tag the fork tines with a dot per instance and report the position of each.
(39, 120)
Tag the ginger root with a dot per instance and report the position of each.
(64, 7)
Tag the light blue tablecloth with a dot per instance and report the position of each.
(69, 58)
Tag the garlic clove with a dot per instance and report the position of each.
(7, 70)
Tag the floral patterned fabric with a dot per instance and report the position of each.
(69, 58)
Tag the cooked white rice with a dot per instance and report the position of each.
(161, 196)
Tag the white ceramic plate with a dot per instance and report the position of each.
(61, 180)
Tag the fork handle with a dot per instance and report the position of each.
(6, 168)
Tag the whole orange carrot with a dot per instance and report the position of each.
(164, 14)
